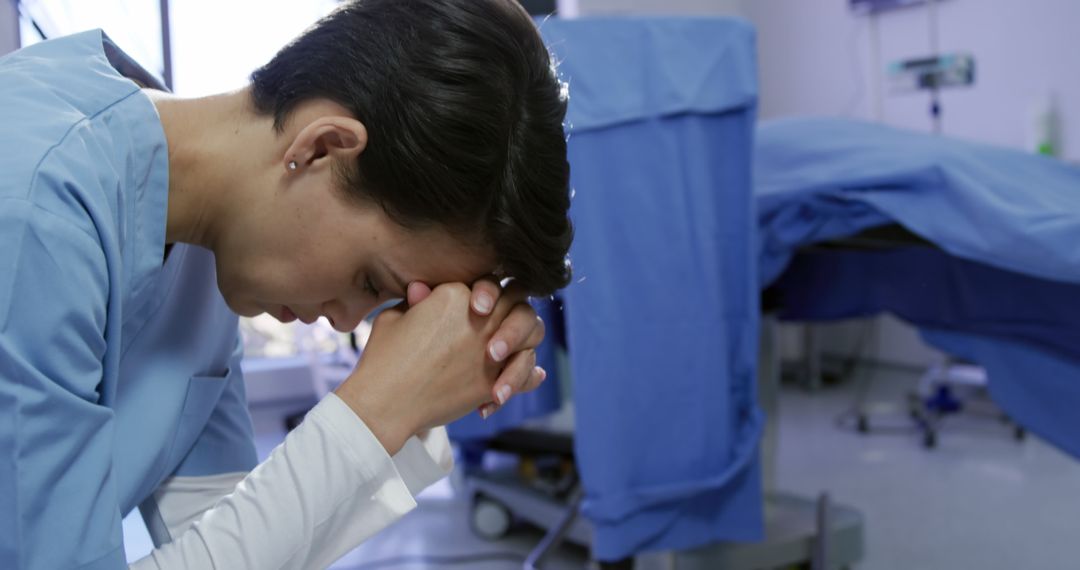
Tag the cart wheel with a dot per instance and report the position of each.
(930, 439)
(863, 425)
(490, 519)
(1020, 433)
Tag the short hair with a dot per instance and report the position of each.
(464, 111)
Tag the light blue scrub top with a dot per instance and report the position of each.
(117, 369)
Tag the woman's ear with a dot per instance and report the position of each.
(326, 137)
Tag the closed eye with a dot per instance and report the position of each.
(369, 287)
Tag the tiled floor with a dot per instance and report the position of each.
(981, 500)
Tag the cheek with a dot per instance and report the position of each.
(310, 280)
(287, 269)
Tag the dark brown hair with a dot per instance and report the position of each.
(464, 112)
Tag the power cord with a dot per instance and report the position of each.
(25, 13)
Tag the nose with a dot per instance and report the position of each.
(345, 317)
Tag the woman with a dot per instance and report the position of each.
(397, 149)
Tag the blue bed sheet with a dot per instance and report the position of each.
(1001, 291)
(928, 287)
(817, 179)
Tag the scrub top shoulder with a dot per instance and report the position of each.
(117, 369)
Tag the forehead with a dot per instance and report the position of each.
(433, 255)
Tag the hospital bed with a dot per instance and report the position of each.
(992, 277)
(661, 325)
(866, 274)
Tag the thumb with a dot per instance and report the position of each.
(417, 292)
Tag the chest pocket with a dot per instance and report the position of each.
(202, 397)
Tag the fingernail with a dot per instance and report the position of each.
(485, 411)
(503, 393)
(483, 303)
(498, 350)
(540, 372)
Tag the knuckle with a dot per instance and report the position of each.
(453, 292)
(525, 313)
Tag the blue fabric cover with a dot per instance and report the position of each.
(626, 69)
(661, 322)
(1038, 388)
(931, 288)
(1024, 330)
(817, 179)
(1001, 292)
(662, 333)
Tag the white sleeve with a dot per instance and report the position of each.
(424, 460)
(180, 501)
(322, 492)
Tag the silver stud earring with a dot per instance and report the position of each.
(292, 165)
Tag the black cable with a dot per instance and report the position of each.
(166, 44)
(26, 14)
(440, 560)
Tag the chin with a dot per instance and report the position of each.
(243, 309)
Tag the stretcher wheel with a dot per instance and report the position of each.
(930, 439)
(490, 519)
(1020, 433)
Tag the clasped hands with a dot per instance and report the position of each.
(441, 354)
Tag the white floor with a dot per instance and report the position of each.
(980, 500)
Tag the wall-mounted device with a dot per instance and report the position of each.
(948, 70)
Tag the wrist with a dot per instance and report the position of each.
(390, 429)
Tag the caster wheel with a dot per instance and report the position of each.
(863, 425)
(1020, 433)
(490, 519)
(930, 440)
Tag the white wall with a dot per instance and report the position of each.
(817, 57)
(9, 27)
(134, 26)
(216, 45)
